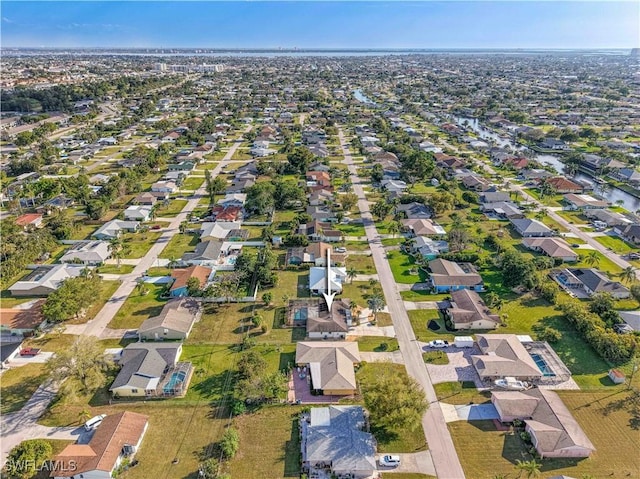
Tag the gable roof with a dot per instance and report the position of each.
(331, 363)
(335, 435)
(47, 276)
(423, 227)
(182, 276)
(143, 364)
(597, 281)
(104, 448)
(503, 355)
(96, 251)
(177, 315)
(28, 219)
(467, 306)
(553, 247)
(449, 273)
(529, 226)
(205, 251)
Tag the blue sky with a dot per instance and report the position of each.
(314, 24)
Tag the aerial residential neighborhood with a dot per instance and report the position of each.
(319, 264)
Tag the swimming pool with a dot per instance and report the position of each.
(300, 314)
(542, 365)
(175, 382)
(232, 259)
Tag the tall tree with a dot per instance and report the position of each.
(376, 303)
(25, 459)
(628, 275)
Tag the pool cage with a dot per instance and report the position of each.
(552, 367)
(176, 380)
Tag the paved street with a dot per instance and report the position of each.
(98, 325)
(445, 458)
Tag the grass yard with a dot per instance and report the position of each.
(423, 295)
(604, 263)
(351, 230)
(357, 246)
(137, 308)
(461, 393)
(617, 245)
(83, 231)
(18, 385)
(269, 444)
(139, 243)
(179, 245)
(375, 344)
(384, 319)
(607, 419)
(357, 292)
(8, 301)
(404, 269)
(391, 441)
(115, 269)
(435, 358)
(159, 271)
(420, 319)
(192, 183)
(106, 291)
(172, 209)
(363, 264)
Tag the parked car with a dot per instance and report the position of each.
(438, 343)
(156, 227)
(389, 461)
(94, 422)
(29, 352)
(340, 249)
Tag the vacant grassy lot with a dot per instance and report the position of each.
(363, 264)
(18, 385)
(390, 441)
(435, 357)
(192, 183)
(461, 393)
(139, 243)
(172, 209)
(357, 292)
(83, 231)
(404, 269)
(115, 269)
(617, 245)
(420, 320)
(179, 245)
(139, 307)
(604, 264)
(269, 444)
(375, 343)
(605, 418)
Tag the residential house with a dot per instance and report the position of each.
(118, 437)
(320, 323)
(610, 218)
(630, 233)
(494, 197)
(146, 199)
(321, 213)
(170, 137)
(330, 365)
(449, 276)
(174, 322)
(91, 253)
(583, 202)
(21, 322)
(211, 231)
(563, 185)
(207, 253)
(147, 370)
(185, 166)
(503, 355)
(467, 311)
(181, 278)
(314, 253)
(318, 178)
(414, 211)
(138, 213)
(592, 281)
(114, 228)
(164, 187)
(231, 214)
(631, 318)
(232, 199)
(553, 144)
(29, 220)
(334, 438)
(528, 228)
(318, 231)
(554, 431)
(394, 186)
(428, 248)
(320, 198)
(10, 347)
(318, 279)
(45, 279)
(423, 227)
(475, 183)
(555, 248)
(319, 150)
(504, 210)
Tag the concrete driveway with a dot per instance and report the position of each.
(41, 357)
(381, 357)
(469, 412)
(410, 462)
(459, 368)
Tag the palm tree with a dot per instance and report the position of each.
(285, 299)
(628, 275)
(593, 258)
(351, 273)
(532, 468)
(116, 248)
(376, 303)
(393, 228)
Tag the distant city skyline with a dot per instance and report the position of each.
(334, 25)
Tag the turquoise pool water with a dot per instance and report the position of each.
(542, 365)
(175, 380)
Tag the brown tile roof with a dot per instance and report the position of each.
(182, 276)
(22, 318)
(104, 448)
(27, 219)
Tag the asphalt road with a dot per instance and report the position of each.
(443, 452)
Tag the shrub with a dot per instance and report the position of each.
(230, 443)
(550, 335)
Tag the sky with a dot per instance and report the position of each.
(314, 24)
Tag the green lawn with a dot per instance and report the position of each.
(461, 393)
(617, 245)
(351, 230)
(435, 357)
(115, 269)
(604, 263)
(607, 419)
(404, 269)
(357, 292)
(172, 209)
(192, 183)
(420, 319)
(83, 231)
(363, 264)
(139, 243)
(137, 308)
(269, 444)
(179, 245)
(18, 385)
(108, 288)
(375, 343)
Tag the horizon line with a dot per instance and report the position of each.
(322, 49)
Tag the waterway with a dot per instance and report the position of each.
(361, 97)
(612, 194)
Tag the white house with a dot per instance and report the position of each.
(138, 213)
(318, 279)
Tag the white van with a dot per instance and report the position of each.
(94, 422)
(390, 461)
